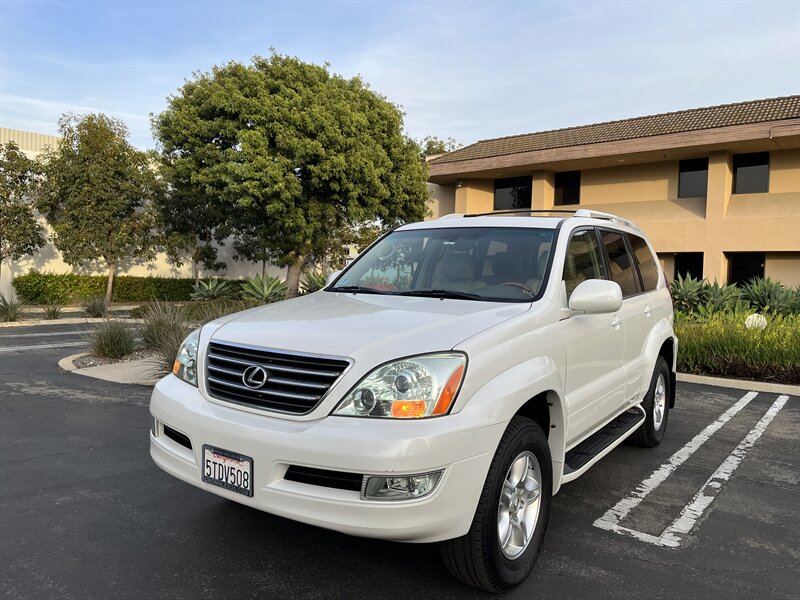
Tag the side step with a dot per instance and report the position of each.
(609, 436)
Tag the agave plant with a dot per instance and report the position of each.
(687, 293)
(313, 282)
(718, 297)
(766, 295)
(213, 289)
(264, 289)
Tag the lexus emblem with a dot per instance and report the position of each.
(255, 377)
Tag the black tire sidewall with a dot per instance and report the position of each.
(661, 369)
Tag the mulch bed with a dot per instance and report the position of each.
(94, 361)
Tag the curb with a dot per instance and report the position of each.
(67, 321)
(741, 384)
(68, 362)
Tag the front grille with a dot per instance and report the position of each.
(295, 382)
(324, 478)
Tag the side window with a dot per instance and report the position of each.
(620, 262)
(584, 260)
(648, 268)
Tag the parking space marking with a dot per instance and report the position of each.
(710, 490)
(610, 521)
(5, 349)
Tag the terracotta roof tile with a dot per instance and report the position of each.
(742, 113)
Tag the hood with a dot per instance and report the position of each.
(374, 328)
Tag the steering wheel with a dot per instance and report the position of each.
(521, 286)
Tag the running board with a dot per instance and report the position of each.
(600, 443)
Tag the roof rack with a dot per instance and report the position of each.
(581, 212)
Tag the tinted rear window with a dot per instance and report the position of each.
(647, 262)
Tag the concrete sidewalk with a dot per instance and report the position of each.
(140, 372)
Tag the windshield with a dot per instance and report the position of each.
(505, 264)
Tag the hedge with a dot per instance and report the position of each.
(723, 346)
(47, 288)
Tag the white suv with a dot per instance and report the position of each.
(440, 389)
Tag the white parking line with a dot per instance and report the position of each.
(6, 349)
(683, 524)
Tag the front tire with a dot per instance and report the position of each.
(656, 408)
(507, 531)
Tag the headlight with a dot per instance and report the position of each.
(185, 365)
(415, 387)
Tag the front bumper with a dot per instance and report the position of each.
(364, 446)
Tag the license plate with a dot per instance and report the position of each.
(228, 470)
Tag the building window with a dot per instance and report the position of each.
(512, 193)
(744, 266)
(689, 264)
(567, 188)
(693, 178)
(751, 173)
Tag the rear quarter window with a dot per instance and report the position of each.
(648, 267)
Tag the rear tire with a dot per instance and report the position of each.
(480, 558)
(656, 408)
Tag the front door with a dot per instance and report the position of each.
(595, 374)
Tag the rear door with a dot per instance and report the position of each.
(636, 310)
(595, 375)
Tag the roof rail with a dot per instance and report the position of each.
(518, 211)
(450, 216)
(596, 214)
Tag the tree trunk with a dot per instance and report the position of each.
(263, 269)
(195, 271)
(293, 277)
(112, 267)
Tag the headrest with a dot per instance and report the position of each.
(457, 266)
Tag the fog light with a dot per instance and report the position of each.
(400, 487)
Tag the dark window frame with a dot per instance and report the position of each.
(517, 180)
(637, 280)
(562, 202)
(750, 160)
(685, 166)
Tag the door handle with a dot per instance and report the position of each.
(648, 311)
(616, 322)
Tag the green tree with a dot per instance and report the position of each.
(191, 224)
(98, 194)
(20, 231)
(432, 145)
(294, 153)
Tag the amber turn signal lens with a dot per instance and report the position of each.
(176, 367)
(449, 392)
(408, 408)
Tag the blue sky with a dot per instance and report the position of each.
(461, 69)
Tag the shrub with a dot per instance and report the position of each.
(112, 339)
(163, 329)
(687, 293)
(213, 289)
(766, 295)
(95, 307)
(724, 346)
(313, 282)
(45, 288)
(264, 289)
(52, 311)
(10, 310)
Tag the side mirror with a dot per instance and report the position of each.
(595, 296)
(331, 277)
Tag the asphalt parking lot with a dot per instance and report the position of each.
(84, 513)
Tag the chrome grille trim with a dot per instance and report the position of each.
(296, 384)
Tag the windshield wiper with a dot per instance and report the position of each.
(443, 294)
(357, 289)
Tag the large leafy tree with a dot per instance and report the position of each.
(20, 231)
(98, 194)
(294, 154)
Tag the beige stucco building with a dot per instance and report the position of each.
(48, 259)
(716, 189)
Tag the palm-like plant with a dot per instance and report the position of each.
(213, 289)
(264, 289)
